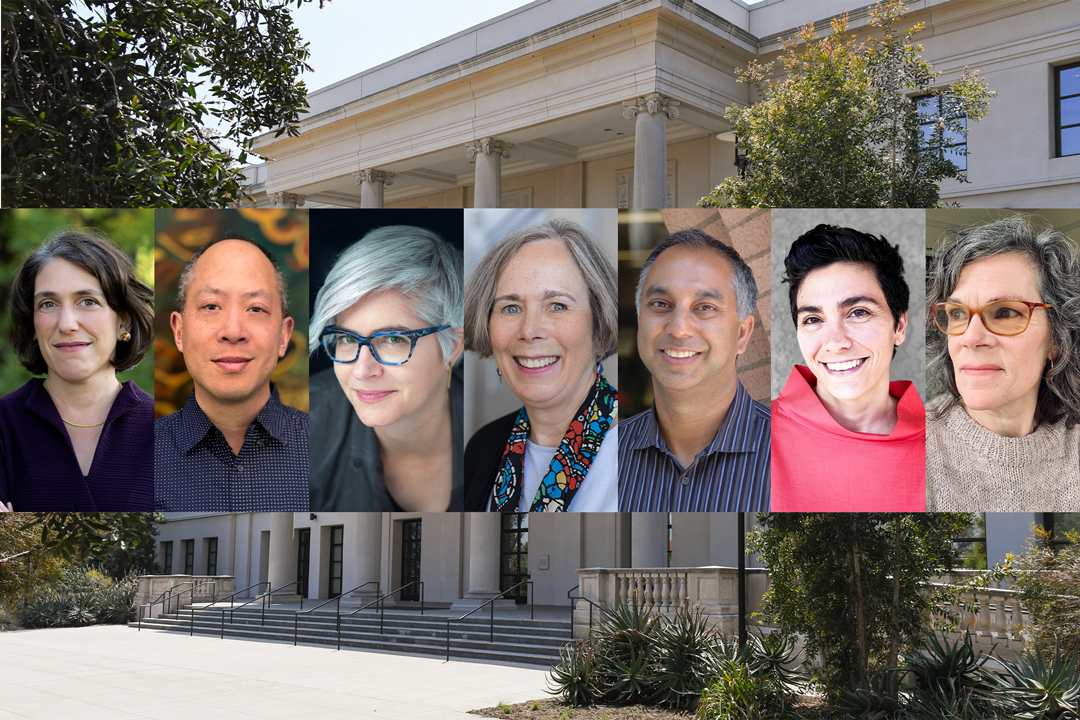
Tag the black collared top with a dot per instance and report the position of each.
(196, 470)
(346, 469)
(730, 475)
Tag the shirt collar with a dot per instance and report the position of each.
(40, 402)
(196, 425)
(732, 436)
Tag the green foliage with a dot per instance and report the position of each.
(949, 679)
(869, 699)
(24, 563)
(842, 128)
(24, 230)
(1045, 688)
(738, 694)
(853, 584)
(120, 543)
(82, 596)
(687, 656)
(106, 102)
(1049, 585)
(573, 677)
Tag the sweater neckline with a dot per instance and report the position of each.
(1045, 443)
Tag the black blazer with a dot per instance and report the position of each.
(483, 456)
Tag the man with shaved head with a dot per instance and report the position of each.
(233, 447)
(704, 445)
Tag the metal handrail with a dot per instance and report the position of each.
(230, 599)
(296, 616)
(591, 606)
(265, 599)
(382, 607)
(165, 600)
(490, 604)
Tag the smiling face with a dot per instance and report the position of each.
(847, 333)
(381, 394)
(1000, 376)
(541, 327)
(232, 332)
(75, 328)
(689, 332)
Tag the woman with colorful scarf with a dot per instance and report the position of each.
(543, 304)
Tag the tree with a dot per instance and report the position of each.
(843, 128)
(119, 543)
(1048, 580)
(854, 584)
(106, 102)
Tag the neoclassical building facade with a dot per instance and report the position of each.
(593, 103)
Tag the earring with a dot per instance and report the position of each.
(601, 370)
(125, 336)
(499, 373)
(449, 374)
(1051, 362)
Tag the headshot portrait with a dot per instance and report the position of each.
(695, 355)
(1003, 361)
(385, 342)
(76, 427)
(232, 440)
(541, 327)
(848, 420)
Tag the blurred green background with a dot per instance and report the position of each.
(23, 230)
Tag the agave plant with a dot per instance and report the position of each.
(688, 656)
(1046, 690)
(869, 700)
(572, 678)
(949, 674)
(737, 694)
(773, 655)
(626, 647)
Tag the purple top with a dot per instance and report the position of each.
(39, 470)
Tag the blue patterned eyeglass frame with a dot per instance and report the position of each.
(361, 341)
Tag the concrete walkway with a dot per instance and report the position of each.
(118, 673)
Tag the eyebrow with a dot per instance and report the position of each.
(53, 293)
(845, 303)
(999, 298)
(514, 297)
(661, 290)
(245, 296)
(385, 328)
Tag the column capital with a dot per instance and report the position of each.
(286, 199)
(651, 103)
(487, 146)
(372, 175)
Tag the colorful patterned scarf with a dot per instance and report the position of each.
(572, 458)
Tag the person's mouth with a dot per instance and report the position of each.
(535, 365)
(232, 363)
(71, 346)
(679, 356)
(983, 370)
(844, 367)
(369, 397)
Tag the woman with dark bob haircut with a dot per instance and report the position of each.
(79, 439)
(543, 304)
(1003, 351)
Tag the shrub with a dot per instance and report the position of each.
(1044, 689)
(1049, 585)
(82, 596)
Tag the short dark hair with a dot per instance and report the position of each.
(828, 244)
(742, 277)
(279, 274)
(94, 252)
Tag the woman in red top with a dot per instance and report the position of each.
(844, 438)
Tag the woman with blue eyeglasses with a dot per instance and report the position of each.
(386, 424)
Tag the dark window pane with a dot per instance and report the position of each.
(1070, 141)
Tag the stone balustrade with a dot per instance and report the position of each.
(152, 587)
(993, 616)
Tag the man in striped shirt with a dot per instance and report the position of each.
(704, 445)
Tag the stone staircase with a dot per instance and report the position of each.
(517, 640)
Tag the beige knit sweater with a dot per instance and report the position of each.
(971, 469)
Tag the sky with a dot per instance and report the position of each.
(349, 36)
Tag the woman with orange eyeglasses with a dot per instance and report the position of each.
(1004, 352)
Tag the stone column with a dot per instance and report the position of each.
(650, 147)
(648, 540)
(483, 556)
(372, 183)
(287, 200)
(281, 537)
(489, 154)
(367, 553)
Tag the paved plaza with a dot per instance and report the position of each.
(117, 672)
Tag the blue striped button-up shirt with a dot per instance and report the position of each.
(730, 475)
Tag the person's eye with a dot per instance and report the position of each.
(88, 302)
(210, 306)
(957, 314)
(394, 340)
(707, 308)
(345, 339)
(659, 305)
(1005, 313)
(559, 307)
(810, 320)
(511, 309)
(259, 310)
(860, 313)
(46, 305)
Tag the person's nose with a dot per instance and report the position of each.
(976, 333)
(366, 366)
(69, 319)
(533, 325)
(233, 327)
(680, 324)
(837, 338)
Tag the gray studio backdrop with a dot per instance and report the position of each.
(905, 228)
(485, 397)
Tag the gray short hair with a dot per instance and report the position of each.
(1058, 269)
(410, 260)
(279, 274)
(742, 278)
(597, 270)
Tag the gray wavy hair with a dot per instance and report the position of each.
(598, 272)
(410, 260)
(1058, 268)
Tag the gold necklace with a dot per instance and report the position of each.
(82, 426)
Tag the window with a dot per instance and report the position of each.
(953, 145)
(337, 548)
(303, 558)
(211, 556)
(970, 549)
(166, 557)
(410, 559)
(1067, 109)
(1058, 524)
(189, 557)
(514, 562)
